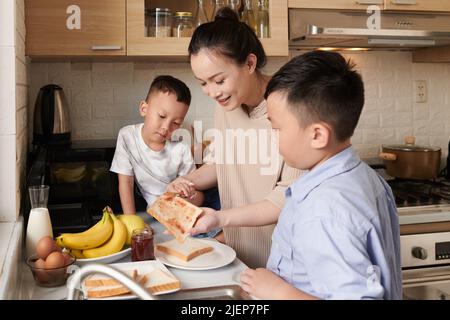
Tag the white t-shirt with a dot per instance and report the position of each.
(152, 170)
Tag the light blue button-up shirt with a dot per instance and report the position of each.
(338, 235)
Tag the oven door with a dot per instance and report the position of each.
(427, 283)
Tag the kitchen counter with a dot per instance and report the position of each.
(10, 258)
(227, 275)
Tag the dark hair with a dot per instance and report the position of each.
(229, 37)
(322, 86)
(172, 85)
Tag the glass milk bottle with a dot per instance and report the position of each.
(39, 223)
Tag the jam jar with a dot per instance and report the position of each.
(142, 247)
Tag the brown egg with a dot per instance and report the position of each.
(40, 274)
(55, 260)
(39, 263)
(45, 246)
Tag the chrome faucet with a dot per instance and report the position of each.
(74, 282)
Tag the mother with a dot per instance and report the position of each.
(226, 58)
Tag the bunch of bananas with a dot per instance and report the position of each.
(106, 237)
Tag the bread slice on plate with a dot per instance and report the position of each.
(185, 251)
(99, 280)
(159, 281)
(151, 274)
(113, 290)
(175, 213)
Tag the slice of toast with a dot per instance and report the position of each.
(159, 280)
(113, 290)
(99, 280)
(185, 251)
(175, 213)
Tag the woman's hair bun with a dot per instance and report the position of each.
(229, 37)
(226, 13)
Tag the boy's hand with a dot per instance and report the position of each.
(182, 186)
(261, 282)
(207, 221)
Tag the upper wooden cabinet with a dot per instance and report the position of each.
(140, 44)
(117, 28)
(418, 5)
(75, 27)
(403, 5)
(335, 4)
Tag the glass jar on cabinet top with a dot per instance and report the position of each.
(234, 5)
(262, 19)
(183, 24)
(201, 16)
(159, 22)
(248, 15)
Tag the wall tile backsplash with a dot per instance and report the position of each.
(104, 97)
(13, 105)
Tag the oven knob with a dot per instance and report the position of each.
(419, 253)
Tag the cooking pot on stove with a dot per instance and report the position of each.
(409, 161)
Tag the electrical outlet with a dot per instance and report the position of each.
(420, 91)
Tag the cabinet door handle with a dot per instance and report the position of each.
(369, 1)
(106, 48)
(408, 2)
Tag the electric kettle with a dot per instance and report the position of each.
(51, 117)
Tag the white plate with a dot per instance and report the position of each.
(219, 257)
(142, 267)
(106, 259)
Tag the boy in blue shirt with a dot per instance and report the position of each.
(338, 235)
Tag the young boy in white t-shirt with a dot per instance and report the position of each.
(145, 153)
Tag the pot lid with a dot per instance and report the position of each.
(411, 147)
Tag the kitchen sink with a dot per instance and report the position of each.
(230, 292)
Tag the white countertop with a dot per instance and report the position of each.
(10, 257)
(6, 230)
(226, 275)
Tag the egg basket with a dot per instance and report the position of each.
(49, 277)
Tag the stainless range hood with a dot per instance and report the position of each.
(311, 29)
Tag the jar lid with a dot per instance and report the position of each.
(144, 231)
(183, 14)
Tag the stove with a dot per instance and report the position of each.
(411, 193)
(424, 216)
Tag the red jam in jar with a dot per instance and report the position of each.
(142, 244)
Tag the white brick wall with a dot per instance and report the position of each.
(104, 97)
(390, 112)
(13, 107)
(22, 87)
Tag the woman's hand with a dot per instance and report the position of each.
(207, 221)
(182, 186)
